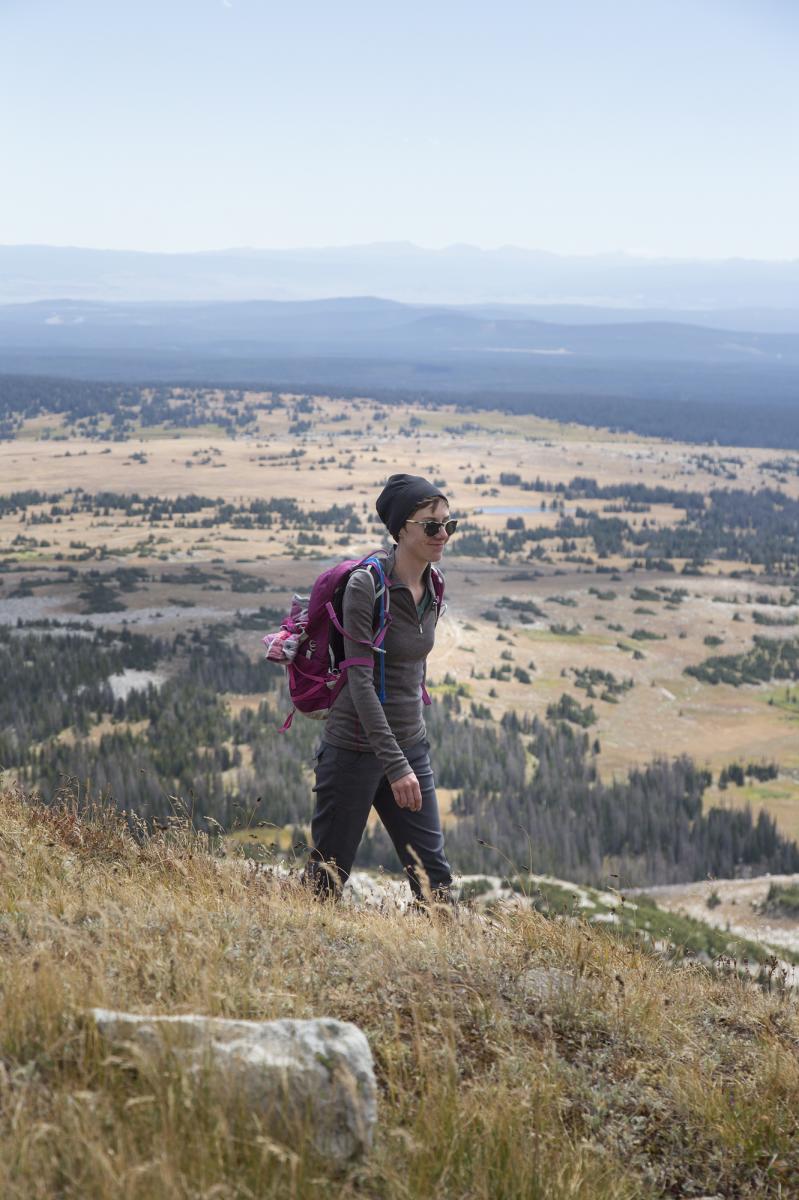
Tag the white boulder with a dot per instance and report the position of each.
(305, 1078)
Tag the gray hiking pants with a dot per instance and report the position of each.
(348, 784)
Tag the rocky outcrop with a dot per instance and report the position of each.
(307, 1079)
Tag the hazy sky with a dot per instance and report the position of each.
(659, 126)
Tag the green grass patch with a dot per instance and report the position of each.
(159, 433)
(692, 936)
(573, 639)
(639, 917)
(786, 699)
(782, 900)
(762, 795)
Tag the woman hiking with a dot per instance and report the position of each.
(373, 753)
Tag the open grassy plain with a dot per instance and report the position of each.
(590, 611)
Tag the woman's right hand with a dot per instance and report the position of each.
(407, 792)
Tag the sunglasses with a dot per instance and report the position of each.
(431, 528)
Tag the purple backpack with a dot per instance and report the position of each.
(310, 641)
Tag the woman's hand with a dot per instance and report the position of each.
(407, 792)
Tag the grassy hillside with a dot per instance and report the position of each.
(629, 1077)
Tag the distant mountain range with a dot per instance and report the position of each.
(368, 344)
(369, 328)
(733, 293)
(398, 319)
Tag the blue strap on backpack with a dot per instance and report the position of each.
(374, 561)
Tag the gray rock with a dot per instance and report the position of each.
(547, 983)
(312, 1077)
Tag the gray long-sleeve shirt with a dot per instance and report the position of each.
(357, 720)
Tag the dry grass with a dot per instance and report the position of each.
(635, 1079)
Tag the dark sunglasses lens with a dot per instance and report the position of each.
(431, 528)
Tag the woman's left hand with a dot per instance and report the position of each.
(407, 792)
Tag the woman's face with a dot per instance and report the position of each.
(414, 538)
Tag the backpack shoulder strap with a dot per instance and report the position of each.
(381, 614)
(376, 568)
(437, 580)
(377, 565)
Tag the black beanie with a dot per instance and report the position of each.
(400, 497)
